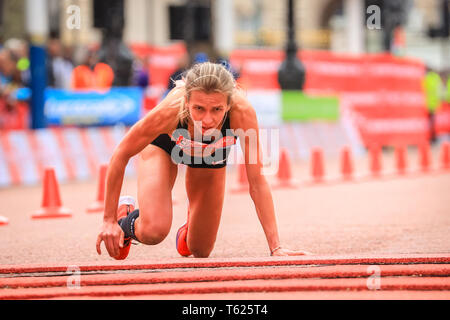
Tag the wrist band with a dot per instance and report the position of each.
(272, 251)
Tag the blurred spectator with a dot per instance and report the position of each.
(59, 68)
(141, 72)
(226, 63)
(67, 54)
(448, 89)
(433, 93)
(13, 113)
(53, 51)
(20, 49)
(200, 57)
(433, 90)
(9, 77)
(91, 74)
(82, 75)
(103, 76)
(182, 65)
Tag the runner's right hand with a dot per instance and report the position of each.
(112, 234)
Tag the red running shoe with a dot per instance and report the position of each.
(126, 205)
(181, 242)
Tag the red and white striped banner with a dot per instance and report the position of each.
(76, 154)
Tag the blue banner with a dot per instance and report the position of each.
(93, 108)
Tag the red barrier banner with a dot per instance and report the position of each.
(162, 60)
(383, 93)
(388, 117)
(16, 117)
(330, 72)
(258, 68)
(404, 128)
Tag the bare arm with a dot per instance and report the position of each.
(162, 119)
(245, 123)
(158, 121)
(137, 138)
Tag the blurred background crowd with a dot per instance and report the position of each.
(95, 44)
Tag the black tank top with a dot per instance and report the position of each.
(208, 153)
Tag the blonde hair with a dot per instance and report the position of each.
(207, 77)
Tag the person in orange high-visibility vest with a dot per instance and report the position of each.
(92, 74)
(103, 75)
(82, 77)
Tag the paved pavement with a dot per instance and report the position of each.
(395, 216)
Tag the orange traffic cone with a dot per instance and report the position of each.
(99, 205)
(424, 156)
(317, 168)
(375, 160)
(445, 155)
(3, 221)
(346, 164)
(51, 201)
(242, 185)
(284, 173)
(400, 157)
